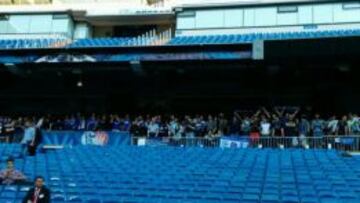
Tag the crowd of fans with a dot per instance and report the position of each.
(280, 121)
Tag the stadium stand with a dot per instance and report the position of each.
(58, 43)
(165, 174)
(147, 39)
(7, 150)
(172, 146)
(181, 40)
(31, 43)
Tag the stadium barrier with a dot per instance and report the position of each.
(72, 138)
(110, 138)
(344, 143)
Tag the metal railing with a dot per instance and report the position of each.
(344, 143)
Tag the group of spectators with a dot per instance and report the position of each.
(10, 124)
(11, 176)
(277, 122)
(280, 121)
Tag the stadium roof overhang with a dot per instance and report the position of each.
(328, 49)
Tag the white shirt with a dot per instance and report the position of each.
(82, 125)
(153, 128)
(29, 134)
(39, 123)
(174, 127)
(332, 125)
(265, 128)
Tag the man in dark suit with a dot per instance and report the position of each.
(38, 194)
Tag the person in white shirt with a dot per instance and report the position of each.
(353, 124)
(265, 131)
(29, 135)
(332, 125)
(174, 128)
(153, 128)
(265, 127)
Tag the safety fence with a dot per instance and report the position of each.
(346, 143)
(110, 138)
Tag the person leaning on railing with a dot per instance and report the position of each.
(211, 125)
(153, 128)
(342, 128)
(317, 127)
(353, 124)
(304, 130)
(277, 127)
(265, 131)
(255, 132)
(291, 131)
(174, 130)
(245, 126)
(333, 126)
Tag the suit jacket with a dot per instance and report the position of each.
(44, 195)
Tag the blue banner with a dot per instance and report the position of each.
(347, 140)
(234, 142)
(100, 138)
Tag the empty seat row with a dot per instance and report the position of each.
(181, 40)
(31, 43)
(172, 174)
(102, 42)
(250, 37)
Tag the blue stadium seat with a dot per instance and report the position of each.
(167, 174)
(248, 38)
(31, 43)
(103, 42)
